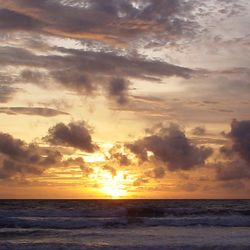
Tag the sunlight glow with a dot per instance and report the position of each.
(114, 186)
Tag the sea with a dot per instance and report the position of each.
(124, 224)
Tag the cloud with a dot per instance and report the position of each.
(20, 158)
(117, 156)
(156, 173)
(121, 158)
(236, 165)
(118, 23)
(84, 72)
(13, 21)
(38, 111)
(73, 80)
(240, 136)
(171, 146)
(233, 170)
(75, 134)
(6, 93)
(86, 170)
(110, 169)
(199, 131)
(118, 90)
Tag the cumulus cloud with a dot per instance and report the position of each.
(236, 165)
(240, 135)
(75, 134)
(46, 112)
(18, 157)
(172, 147)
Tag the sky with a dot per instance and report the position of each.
(124, 99)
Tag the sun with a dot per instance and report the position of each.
(113, 186)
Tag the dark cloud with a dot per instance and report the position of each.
(75, 134)
(156, 173)
(189, 187)
(236, 153)
(122, 159)
(6, 93)
(30, 76)
(199, 131)
(73, 80)
(140, 181)
(11, 20)
(119, 157)
(118, 22)
(233, 170)
(20, 158)
(233, 185)
(110, 169)
(46, 112)
(118, 90)
(86, 170)
(240, 135)
(172, 147)
(86, 72)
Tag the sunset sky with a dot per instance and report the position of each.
(124, 99)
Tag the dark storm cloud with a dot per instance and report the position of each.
(18, 157)
(46, 112)
(118, 21)
(76, 135)
(172, 147)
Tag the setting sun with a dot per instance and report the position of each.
(113, 185)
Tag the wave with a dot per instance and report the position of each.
(85, 214)
(80, 223)
(121, 211)
(75, 246)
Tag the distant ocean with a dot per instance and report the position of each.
(124, 224)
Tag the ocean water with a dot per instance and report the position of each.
(124, 224)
